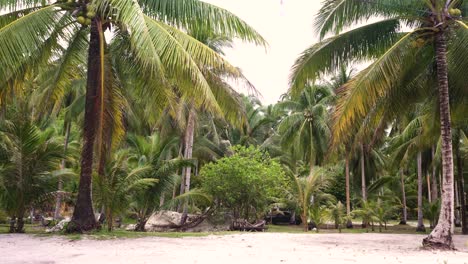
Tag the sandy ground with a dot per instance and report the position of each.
(238, 248)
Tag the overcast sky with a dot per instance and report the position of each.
(287, 26)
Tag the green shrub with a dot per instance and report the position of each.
(244, 183)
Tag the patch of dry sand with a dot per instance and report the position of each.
(229, 249)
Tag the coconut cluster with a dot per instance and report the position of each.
(455, 12)
(83, 11)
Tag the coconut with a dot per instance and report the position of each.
(81, 20)
(455, 12)
(91, 14)
(88, 21)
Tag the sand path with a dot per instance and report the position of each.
(238, 248)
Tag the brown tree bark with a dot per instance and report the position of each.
(441, 236)
(83, 218)
(420, 227)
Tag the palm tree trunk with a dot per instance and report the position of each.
(441, 236)
(189, 134)
(420, 227)
(363, 180)
(83, 218)
(58, 201)
(404, 215)
(349, 223)
(363, 175)
(457, 204)
(461, 189)
(434, 191)
(428, 180)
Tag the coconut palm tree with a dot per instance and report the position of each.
(304, 188)
(435, 41)
(148, 31)
(29, 161)
(305, 129)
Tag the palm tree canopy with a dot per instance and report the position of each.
(400, 34)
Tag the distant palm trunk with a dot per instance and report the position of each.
(428, 180)
(461, 188)
(420, 227)
(441, 236)
(363, 180)
(434, 191)
(83, 218)
(58, 201)
(363, 174)
(189, 134)
(404, 215)
(349, 223)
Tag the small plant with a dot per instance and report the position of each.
(337, 214)
(318, 216)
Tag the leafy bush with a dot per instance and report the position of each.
(244, 183)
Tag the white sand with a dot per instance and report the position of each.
(238, 248)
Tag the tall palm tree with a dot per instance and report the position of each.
(395, 54)
(306, 129)
(34, 30)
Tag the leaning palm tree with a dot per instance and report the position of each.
(437, 40)
(150, 35)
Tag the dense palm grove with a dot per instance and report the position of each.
(126, 108)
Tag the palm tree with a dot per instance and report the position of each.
(304, 188)
(119, 181)
(305, 130)
(146, 30)
(395, 54)
(29, 160)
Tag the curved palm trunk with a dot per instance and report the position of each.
(404, 215)
(420, 227)
(441, 236)
(189, 134)
(58, 201)
(83, 216)
(349, 223)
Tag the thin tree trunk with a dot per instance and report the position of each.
(83, 218)
(434, 191)
(58, 202)
(420, 227)
(363, 180)
(461, 188)
(189, 134)
(404, 215)
(441, 236)
(457, 219)
(349, 223)
(12, 224)
(363, 175)
(428, 180)
(20, 221)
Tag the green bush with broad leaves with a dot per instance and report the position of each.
(244, 183)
